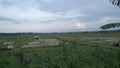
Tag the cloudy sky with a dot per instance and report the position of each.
(56, 15)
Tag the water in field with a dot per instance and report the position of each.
(43, 42)
(100, 40)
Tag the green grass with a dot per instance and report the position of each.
(77, 54)
(18, 40)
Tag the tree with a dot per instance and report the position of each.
(110, 25)
(115, 2)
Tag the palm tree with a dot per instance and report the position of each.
(115, 2)
(110, 25)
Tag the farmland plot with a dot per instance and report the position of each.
(43, 42)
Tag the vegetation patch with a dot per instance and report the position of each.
(79, 53)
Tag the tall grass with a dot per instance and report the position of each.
(75, 54)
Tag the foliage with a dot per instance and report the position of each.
(115, 2)
(111, 25)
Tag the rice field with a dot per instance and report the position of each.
(76, 50)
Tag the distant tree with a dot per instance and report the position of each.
(115, 2)
(110, 25)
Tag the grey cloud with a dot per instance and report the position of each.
(60, 5)
(94, 11)
(5, 3)
(6, 19)
(11, 20)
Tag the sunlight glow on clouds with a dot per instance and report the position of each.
(80, 26)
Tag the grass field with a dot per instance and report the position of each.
(85, 50)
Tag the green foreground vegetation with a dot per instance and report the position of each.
(77, 54)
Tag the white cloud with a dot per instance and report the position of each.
(47, 0)
(110, 19)
(96, 24)
(36, 15)
(57, 15)
(31, 19)
(55, 26)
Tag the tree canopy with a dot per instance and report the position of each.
(115, 2)
(110, 25)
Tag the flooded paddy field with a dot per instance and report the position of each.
(43, 42)
(101, 40)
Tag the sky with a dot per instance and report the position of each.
(56, 15)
